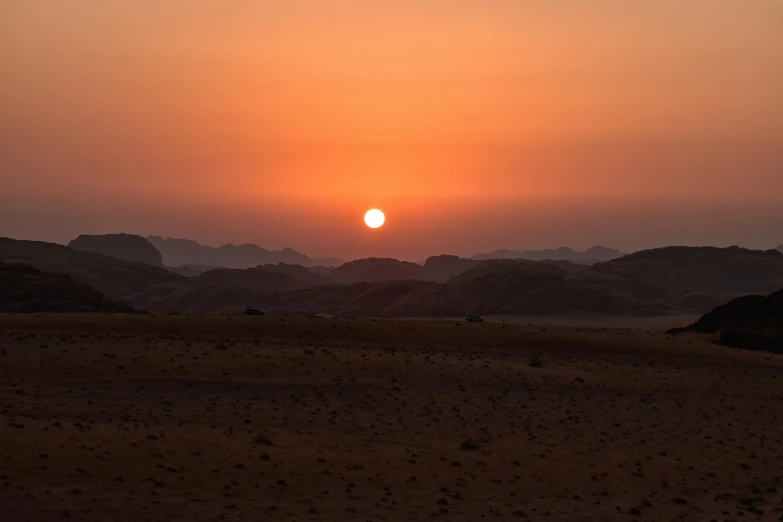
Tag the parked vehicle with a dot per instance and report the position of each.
(474, 319)
(253, 311)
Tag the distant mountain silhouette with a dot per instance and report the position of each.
(591, 255)
(658, 281)
(299, 273)
(653, 282)
(510, 286)
(23, 289)
(179, 252)
(117, 279)
(780, 248)
(376, 269)
(442, 268)
(754, 322)
(492, 287)
(122, 246)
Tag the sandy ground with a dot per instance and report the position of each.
(656, 323)
(112, 418)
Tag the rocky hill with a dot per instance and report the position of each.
(442, 268)
(115, 278)
(690, 278)
(491, 287)
(23, 289)
(754, 322)
(122, 246)
(538, 287)
(376, 269)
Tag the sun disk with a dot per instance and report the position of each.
(374, 218)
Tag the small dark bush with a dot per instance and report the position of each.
(263, 440)
(469, 444)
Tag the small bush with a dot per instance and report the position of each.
(469, 444)
(263, 440)
(536, 361)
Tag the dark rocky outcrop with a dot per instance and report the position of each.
(179, 252)
(690, 279)
(753, 322)
(376, 269)
(122, 246)
(538, 287)
(442, 268)
(23, 289)
(737, 311)
(115, 278)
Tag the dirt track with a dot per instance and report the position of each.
(236, 418)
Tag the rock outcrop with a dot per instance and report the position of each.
(376, 269)
(115, 278)
(442, 268)
(128, 247)
(753, 322)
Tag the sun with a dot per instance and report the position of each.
(374, 218)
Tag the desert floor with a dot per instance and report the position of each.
(111, 418)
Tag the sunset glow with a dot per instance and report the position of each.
(215, 120)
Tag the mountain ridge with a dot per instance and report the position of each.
(668, 280)
(179, 252)
(115, 278)
(592, 255)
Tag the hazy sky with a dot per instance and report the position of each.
(474, 125)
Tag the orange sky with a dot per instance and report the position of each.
(474, 124)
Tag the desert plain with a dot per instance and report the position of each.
(171, 417)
